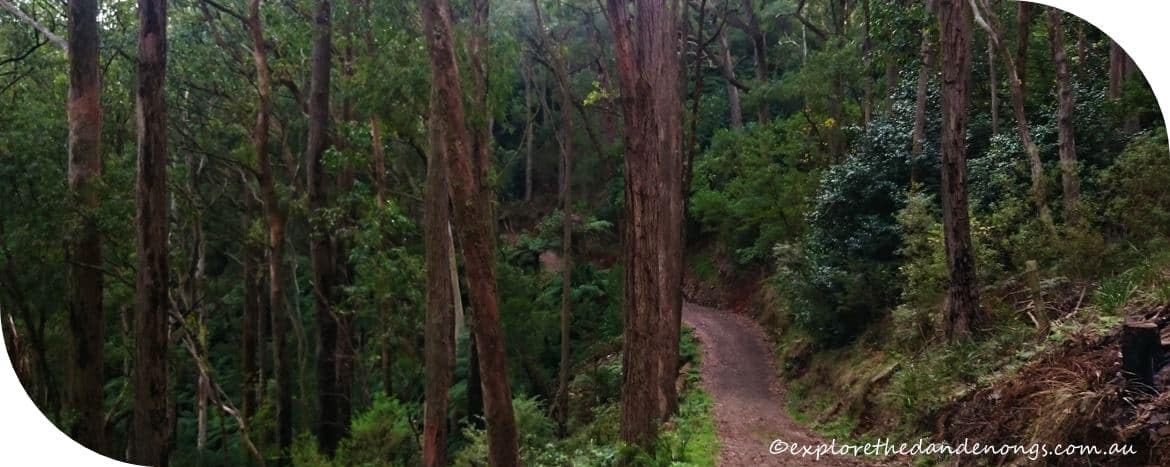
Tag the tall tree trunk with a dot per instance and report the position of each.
(84, 250)
(1064, 121)
(1117, 62)
(962, 302)
(346, 332)
(867, 59)
(760, 54)
(473, 218)
(921, 94)
(321, 245)
(274, 218)
(440, 337)
(250, 381)
(733, 104)
(480, 123)
(384, 307)
(1133, 118)
(474, 384)
(150, 427)
(988, 21)
(645, 50)
(529, 124)
(993, 77)
(1024, 19)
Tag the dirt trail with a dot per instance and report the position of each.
(738, 372)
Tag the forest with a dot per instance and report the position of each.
(581, 232)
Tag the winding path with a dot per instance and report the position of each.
(738, 372)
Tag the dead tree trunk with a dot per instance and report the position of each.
(84, 243)
(151, 425)
(962, 301)
(472, 214)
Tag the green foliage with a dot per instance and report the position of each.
(1135, 195)
(924, 267)
(750, 189)
(536, 432)
(382, 435)
(840, 276)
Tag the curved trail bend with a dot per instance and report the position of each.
(739, 373)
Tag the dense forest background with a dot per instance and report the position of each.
(224, 239)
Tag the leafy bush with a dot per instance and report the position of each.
(536, 431)
(1135, 195)
(842, 274)
(750, 189)
(381, 435)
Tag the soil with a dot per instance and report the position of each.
(739, 373)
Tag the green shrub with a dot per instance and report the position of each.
(750, 188)
(1135, 197)
(536, 431)
(381, 435)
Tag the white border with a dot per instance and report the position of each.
(1142, 27)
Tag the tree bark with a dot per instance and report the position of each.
(480, 123)
(529, 124)
(1064, 121)
(84, 242)
(150, 427)
(472, 214)
(1024, 19)
(921, 92)
(321, 246)
(250, 382)
(760, 54)
(274, 218)
(993, 77)
(645, 49)
(1117, 72)
(867, 60)
(440, 338)
(962, 301)
(733, 104)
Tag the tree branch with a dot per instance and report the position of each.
(55, 39)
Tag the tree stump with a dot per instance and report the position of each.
(1141, 349)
